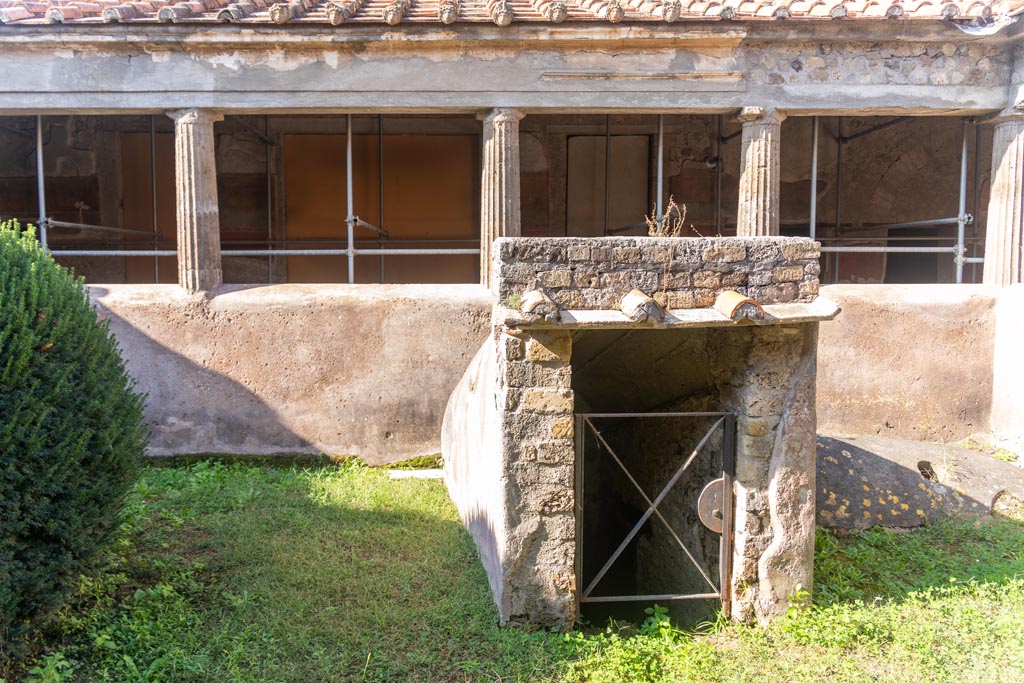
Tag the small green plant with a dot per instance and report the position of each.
(53, 668)
(514, 301)
(658, 624)
(71, 435)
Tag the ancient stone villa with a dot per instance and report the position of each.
(337, 226)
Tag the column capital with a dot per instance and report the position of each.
(195, 115)
(501, 115)
(760, 115)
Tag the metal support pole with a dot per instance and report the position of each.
(351, 218)
(961, 222)
(41, 181)
(270, 195)
(661, 165)
(977, 200)
(607, 168)
(814, 180)
(380, 188)
(718, 178)
(152, 188)
(839, 186)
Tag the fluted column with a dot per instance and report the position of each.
(758, 213)
(500, 214)
(1004, 232)
(195, 176)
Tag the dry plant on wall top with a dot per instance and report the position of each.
(672, 223)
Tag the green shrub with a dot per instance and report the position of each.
(71, 433)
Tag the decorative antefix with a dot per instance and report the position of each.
(639, 426)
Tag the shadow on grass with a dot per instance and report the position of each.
(239, 573)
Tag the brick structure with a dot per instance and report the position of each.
(508, 435)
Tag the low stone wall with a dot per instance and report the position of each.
(348, 370)
(1008, 378)
(683, 273)
(343, 370)
(909, 361)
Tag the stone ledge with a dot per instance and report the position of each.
(778, 314)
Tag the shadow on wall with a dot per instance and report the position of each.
(182, 423)
(869, 481)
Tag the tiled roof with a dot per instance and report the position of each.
(500, 12)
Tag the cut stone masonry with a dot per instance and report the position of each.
(509, 438)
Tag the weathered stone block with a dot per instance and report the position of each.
(547, 346)
(705, 279)
(562, 428)
(809, 289)
(704, 298)
(512, 347)
(586, 278)
(725, 253)
(678, 281)
(555, 278)
(736, 278)
(578, 253)
(788, 274)
(627, 254)
(656, 254)
(681, 300)
(549, 401)
(753, 426)
(751, 470)
(551, 452)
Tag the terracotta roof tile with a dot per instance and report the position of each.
(500, 12)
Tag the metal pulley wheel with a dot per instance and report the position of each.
(711, 504)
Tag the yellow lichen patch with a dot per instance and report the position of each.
(825, 514)
(867, 515)
(894, 513)
(831, 499)
(919, 513)
(894, 499)
(829, 458)
(922, 486)
(867, 488)
(904, 506)
(850, 472)
(866, 503)
(879, 516)
(881, 501)
(841, 512)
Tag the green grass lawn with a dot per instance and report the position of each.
(269, 574)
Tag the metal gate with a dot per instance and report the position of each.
(644, 461)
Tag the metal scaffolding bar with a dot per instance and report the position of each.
(380, 186)
(962, 218)
(275, 252)
(114, 252)
(98, 228)
(890, 250)
(41, 181)
(270, 194)
(350, 220)
(814, 180)
(718, 177)
(661, 165)
(152, 187)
